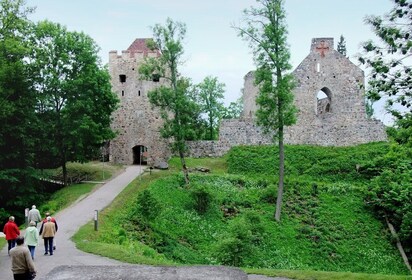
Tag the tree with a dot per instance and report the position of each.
(75, 100)
(389, 59)
(17, 110)
(173, 97)
(209, 95)
(234, 110)
(266, 32)
(342, 45)
(369, 108)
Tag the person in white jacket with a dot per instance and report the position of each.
(31, 237)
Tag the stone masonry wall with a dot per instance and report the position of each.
(135, 121)
(338, 118)
(344, 122)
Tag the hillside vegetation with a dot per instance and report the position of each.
(226, 216)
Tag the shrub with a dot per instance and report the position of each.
(202, 197)
(240, 241)
(147, 207)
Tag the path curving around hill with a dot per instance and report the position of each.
(69, 221)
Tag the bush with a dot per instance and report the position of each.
(202, 197)
(243, 235)
(147, 207)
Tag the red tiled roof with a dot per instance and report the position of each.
(139, 45)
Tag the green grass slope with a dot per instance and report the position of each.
(228, 219)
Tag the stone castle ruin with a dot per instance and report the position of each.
(136, 122)
(329, 96)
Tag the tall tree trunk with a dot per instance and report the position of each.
(64, 168)
(211, 127)
(184, 168)
(281, 175)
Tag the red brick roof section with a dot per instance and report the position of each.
(139, 46)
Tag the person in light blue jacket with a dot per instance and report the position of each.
(31, 237)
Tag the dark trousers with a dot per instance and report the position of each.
(25, 276)
(12, 243)
(48, 245)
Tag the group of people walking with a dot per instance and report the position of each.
(22, 257)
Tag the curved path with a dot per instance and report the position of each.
(69, 221)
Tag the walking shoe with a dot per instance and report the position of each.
(46, 253)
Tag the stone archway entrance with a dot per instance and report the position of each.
(140, 155)
(324, 101)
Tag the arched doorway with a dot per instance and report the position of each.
(140, 155)
(324, 101)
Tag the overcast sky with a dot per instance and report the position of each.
(212, 47)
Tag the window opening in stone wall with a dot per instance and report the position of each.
(138, 92)
(155, 77)
(324, 101)
(122, 78)
(140, 155)
(122, 92)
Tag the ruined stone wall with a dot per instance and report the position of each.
(234, 132)
(344, 122)
(336, 119)
(135, 121)
(250, 92)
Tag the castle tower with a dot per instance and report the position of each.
(330, 98)
(137, 124)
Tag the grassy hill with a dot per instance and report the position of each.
(226, 216)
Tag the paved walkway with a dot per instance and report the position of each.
(69, 221)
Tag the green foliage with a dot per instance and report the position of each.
(341, 48)
(243, 237)
(178, 110)
(75, 101)
(390, 192)
(18, 184)
(331, 164)
(266, 32)
(65, 196)
(390, 71)
(321, 230)
(147, 207)
(234, 110)
(202, 198)
(209, 96)
(326, 225)
(78, 172)
(402, 131)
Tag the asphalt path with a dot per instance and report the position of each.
(69, 221)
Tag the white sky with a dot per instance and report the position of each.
(212, 47)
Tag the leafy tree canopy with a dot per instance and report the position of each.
(209, 96)
(266, 33)
(389, 59)
(173, 97)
